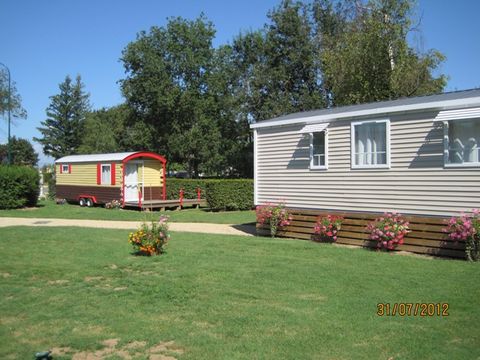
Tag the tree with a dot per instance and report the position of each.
(280, 64)
(22, 152)
(168, 89)
(62, 131)
(367, 57)
(104, 131)
(16, 109)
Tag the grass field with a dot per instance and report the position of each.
(80, 291)
(48, 209)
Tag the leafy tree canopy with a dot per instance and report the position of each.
(16, 109)
(23, 152)
(104, 131)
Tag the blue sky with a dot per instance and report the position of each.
(44, 40)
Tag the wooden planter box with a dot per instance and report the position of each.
(426, 237)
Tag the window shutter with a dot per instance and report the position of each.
(112, 173)
(61, 168)
(99, 174)
(69, 168)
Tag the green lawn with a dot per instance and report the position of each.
(226, 297)
(48, 209)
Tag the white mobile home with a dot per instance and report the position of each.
(416, 155)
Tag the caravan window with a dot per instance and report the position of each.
(370, 144)
(106, 175)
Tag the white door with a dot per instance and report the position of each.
(131, 182)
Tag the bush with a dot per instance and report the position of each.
(327, 227)
(150, 239)
(19, 186)
(276, 216)
(466, 228)
(388, 230)
(49, 179)
(189, 187)
(230, 194)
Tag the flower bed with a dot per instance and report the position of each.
(388, 230)
(150, 239)
(466, 228)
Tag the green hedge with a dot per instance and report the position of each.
(49, 179)
(19, 186)
(189, 187)
(230, 194)
(221, 194)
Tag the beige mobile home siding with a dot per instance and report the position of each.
(417, 182)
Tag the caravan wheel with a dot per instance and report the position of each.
(82, 202)
(89, 202)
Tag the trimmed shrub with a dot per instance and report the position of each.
(49, 179)
(230, 194)
(189, 187)
(19, 186)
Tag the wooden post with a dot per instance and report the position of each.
(140, 198)
(181, 198)
(199, 196)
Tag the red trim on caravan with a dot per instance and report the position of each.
(99, 174)
(123, 184)
(69, 168)
(145, 154)
(164, 182)
(61, 168)
(85, 196)
(151, 156)
(112, 173)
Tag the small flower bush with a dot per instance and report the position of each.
(150, 239)
(388, 230)
(466, 228)
(114, 204)
(327, 227)
(274, 215)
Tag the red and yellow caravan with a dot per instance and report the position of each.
(129, 177)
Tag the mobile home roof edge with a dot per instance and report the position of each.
(444, 101)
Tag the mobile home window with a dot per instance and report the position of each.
(106, 175)
(65, 169)
(462, 140)
(318, 147)
(370, 144)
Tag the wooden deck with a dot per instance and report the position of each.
(166, 204)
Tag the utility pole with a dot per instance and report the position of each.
(9, 105)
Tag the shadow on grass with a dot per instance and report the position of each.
(248, 228)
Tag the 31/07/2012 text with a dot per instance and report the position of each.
(412, 309)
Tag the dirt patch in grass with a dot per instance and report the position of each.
(61, 351)
(57, 282)
(93, 278)
(315, 297)
(160, 351)
(5, 274)
(136, 345)
(121, 288)
(165, 346)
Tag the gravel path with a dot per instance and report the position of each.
(207, 228)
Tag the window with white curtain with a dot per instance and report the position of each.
(370, 144)
(318, 153)
(463, 142)
(106, 175)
